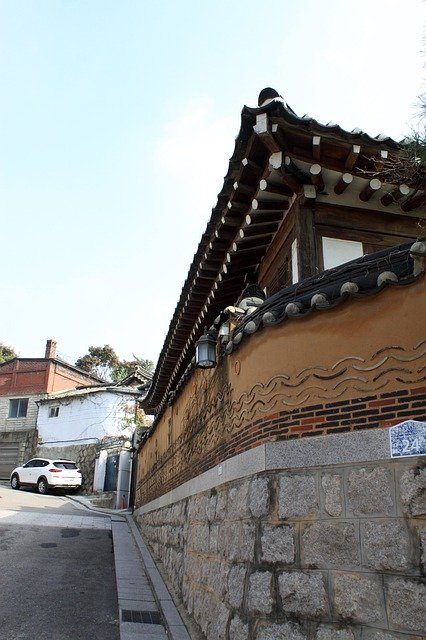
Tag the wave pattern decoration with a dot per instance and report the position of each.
(353, 373)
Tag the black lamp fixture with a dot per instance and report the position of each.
(205, 350)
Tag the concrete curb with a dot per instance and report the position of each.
(86, 503)
(175, 626)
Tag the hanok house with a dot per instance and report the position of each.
(23, 381)
(267, 485)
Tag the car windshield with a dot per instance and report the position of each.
(65, 465)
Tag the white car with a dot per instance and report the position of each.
(45, 474)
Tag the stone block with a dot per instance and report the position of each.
(277, 544)
(304, 595)
(237, 541)
(214, 576)
(214, 538)
(285, 631)
(237, 503)
(406, 602)
(331, 485)
(259, 497)
(386, 545)
(377, 634)
(370, 491)
(198, 538)
(298, 496)
(219, 623)
(358, 598)
(422, 536)
(412, 487)
(197, 508)
(236, 580)
(221, 505)
(330, 544)
(211, 507)
(260, 592)
(331, 633)
(238, 630)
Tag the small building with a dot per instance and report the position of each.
(93, 425)
(267, 484)
(24, 381)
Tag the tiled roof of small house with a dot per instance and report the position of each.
(80, 392)
(277, 156)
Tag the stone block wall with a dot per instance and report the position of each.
(313, 553)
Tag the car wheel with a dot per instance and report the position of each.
(14, 482)
(42, 485)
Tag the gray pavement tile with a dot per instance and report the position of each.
(133, 594)
(141, 630)
(137, 605)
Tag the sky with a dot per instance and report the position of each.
(117, 121)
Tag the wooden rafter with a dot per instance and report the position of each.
(370, 188)
(343, 183)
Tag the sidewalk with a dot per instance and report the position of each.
(146, 608)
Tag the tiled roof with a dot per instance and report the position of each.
(237, 237)
(357, 279)
(367, 276)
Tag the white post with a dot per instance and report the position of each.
(123, 479)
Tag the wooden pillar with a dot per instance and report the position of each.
(304, 233)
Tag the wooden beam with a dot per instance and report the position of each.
(225, 232)
(279, 189)
(253, 165)
(247, 244)
(276, 160)
(304, 230)
(395, 195)
(263, 130)
(352, 157)
(245, 189)
(316, 177)
(343, 183)
(415, 201)
(290, 181)
(369, 189)
(262, 124)
(235, 205)
(277, 215)
(242, 259)
(309, 191)
(231, 221)
(258, 230)
(316, 147)
(263, 205)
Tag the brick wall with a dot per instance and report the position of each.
(184, 460)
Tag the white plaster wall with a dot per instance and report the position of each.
(93, 416)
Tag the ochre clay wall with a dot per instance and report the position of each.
(357, 366)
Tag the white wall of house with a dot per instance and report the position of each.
(90, 416)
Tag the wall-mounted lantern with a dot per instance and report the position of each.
(205, 351)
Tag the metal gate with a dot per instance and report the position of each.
(9, 452)
(111, 472)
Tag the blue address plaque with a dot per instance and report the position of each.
(408, 439)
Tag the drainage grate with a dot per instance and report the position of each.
(148, 617)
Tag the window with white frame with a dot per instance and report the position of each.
(54, 411)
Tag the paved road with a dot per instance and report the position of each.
(57, 570)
